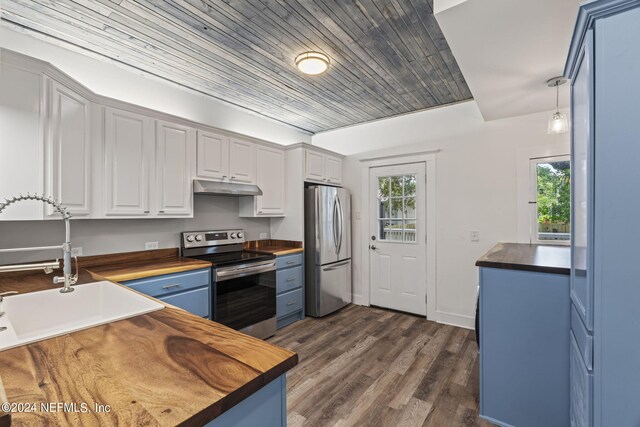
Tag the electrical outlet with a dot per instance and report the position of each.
(475, 236)
(150, 245)
(76, 251)
(263, 235)
(357, 214)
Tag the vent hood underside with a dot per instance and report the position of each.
(216, 188)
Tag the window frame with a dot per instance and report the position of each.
(533, 198)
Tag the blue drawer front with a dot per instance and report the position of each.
(289, 302)
(581, 388)
(584, 340)
(171, 283)
(288, 279)
(195, 301)
(287, 261)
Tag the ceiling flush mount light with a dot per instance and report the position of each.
(312, 63)
(558, 122)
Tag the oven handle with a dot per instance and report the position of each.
(229, 273)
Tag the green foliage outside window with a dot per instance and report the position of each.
(554, 192)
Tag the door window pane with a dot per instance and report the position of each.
(553, 200)
(397, 208)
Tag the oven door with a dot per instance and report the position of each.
(245, 295)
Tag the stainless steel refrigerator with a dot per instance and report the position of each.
(327, 232)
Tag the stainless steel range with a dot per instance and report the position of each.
(244, 283)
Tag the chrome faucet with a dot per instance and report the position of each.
(2, 295)
(68, 278)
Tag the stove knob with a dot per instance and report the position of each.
(198, 237)
(240, 235)
(190, 238)
(233, 235)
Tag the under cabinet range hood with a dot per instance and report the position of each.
(217, 188)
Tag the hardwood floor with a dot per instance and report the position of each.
(365, 366)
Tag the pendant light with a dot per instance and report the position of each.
(312, 63)
(558, 122)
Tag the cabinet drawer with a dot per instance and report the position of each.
(581, 388)
(171, 283)
(288, 279)
(195, 301)
(289, 302)
(288, 261)
(584, 340)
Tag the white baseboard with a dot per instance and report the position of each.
(359, 300)
(467, 322)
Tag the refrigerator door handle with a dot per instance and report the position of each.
(341, 223)
(335, 223)
(336, 266)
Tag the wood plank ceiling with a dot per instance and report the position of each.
(388, 57)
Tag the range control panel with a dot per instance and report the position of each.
(196, 239)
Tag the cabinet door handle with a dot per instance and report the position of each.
(175, 285)
(146, 211)
(291, 303)
(291, 279)
(290, 262)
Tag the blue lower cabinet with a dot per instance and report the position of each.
(266, 408)
(289, 289)
(524, 348)
(190, 291)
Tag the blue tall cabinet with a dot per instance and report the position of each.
(604, 67)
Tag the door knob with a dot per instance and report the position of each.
(373, 247)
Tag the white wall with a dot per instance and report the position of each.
(101, 236)
(115, 80)
(477, 188)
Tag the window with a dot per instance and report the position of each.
(397, 208)
(550, 185)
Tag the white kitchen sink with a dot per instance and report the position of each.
(40, 315)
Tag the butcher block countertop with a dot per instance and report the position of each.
(527, 257)
(274, 247)
(164, 368)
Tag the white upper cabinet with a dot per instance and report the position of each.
(175, 155)
(322, 168)
(314, 166)
(213, 156)
(21, 138)
(129, 160)
(271, 180)
(333, 169)
(242, 161)
(68, 177)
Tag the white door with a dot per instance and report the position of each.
(333, 169)
(129, 162)
(397, 252)
(213, 155)
(69, 151)
(314, 166)
(271, 181)
(242, 161)
(175, 155)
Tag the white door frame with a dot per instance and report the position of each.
(429, 159)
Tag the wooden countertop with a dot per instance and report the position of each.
(168, 367)
(522, 256)
(274, 247)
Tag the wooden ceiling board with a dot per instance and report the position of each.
(387, 57)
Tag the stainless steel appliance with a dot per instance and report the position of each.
(244, 283)
(327, 249)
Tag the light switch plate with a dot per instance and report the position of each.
(475, 236)
(76, 251)
(357, 214)
(150, 245)
(263, 235)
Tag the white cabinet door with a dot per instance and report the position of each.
(213, 155)
(175, 156)
(242, 161)
(314, 166)
(129, 162)
(68, 177)
(21, 139)
(333, 170)
(271, 180)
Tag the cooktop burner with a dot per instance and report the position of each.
(233, 258)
